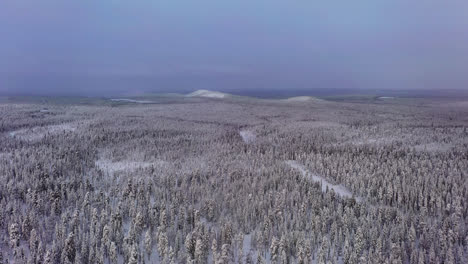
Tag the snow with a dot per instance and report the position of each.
(126, 165)
(247, 136)
(303, 99)
(386, 97)
(339, 189)
(207, 93)
(5, 155)
(38, 132)
(433, 147)
(459, 104)
(131, 101)
(372, 141)
(247, 244)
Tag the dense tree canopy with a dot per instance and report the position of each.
(179, 183)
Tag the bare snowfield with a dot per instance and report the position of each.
(434, 147)
(112, 167)
(37, 133)
(372, 141)
(4, 155)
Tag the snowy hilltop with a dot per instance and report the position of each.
(208, 94)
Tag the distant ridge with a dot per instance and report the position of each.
(221, 95)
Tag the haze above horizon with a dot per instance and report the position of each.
(121, 47)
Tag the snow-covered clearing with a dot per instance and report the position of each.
(247, 244)
(247, 136)
(433, 147)
(301, 125)
(460, 104)
(376, 140)
(37, 133)
(131, 101)
(4, 155)
(339, 189)
(126, 165)
(372, 141)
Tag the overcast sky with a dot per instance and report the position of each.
(100, 46)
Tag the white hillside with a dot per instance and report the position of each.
(303, 99)
(207, 93)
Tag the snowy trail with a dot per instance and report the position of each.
(339, 189)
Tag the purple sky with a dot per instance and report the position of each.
(152, 45)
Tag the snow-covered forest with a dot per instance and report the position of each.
(232, 181)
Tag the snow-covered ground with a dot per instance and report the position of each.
(207, 93)
(37, 133)
(372, 141)
(304, 99)
(131, 101)
(339, 189)
(247, 136)
(434, 147)
(126, 165)
(4, 155)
